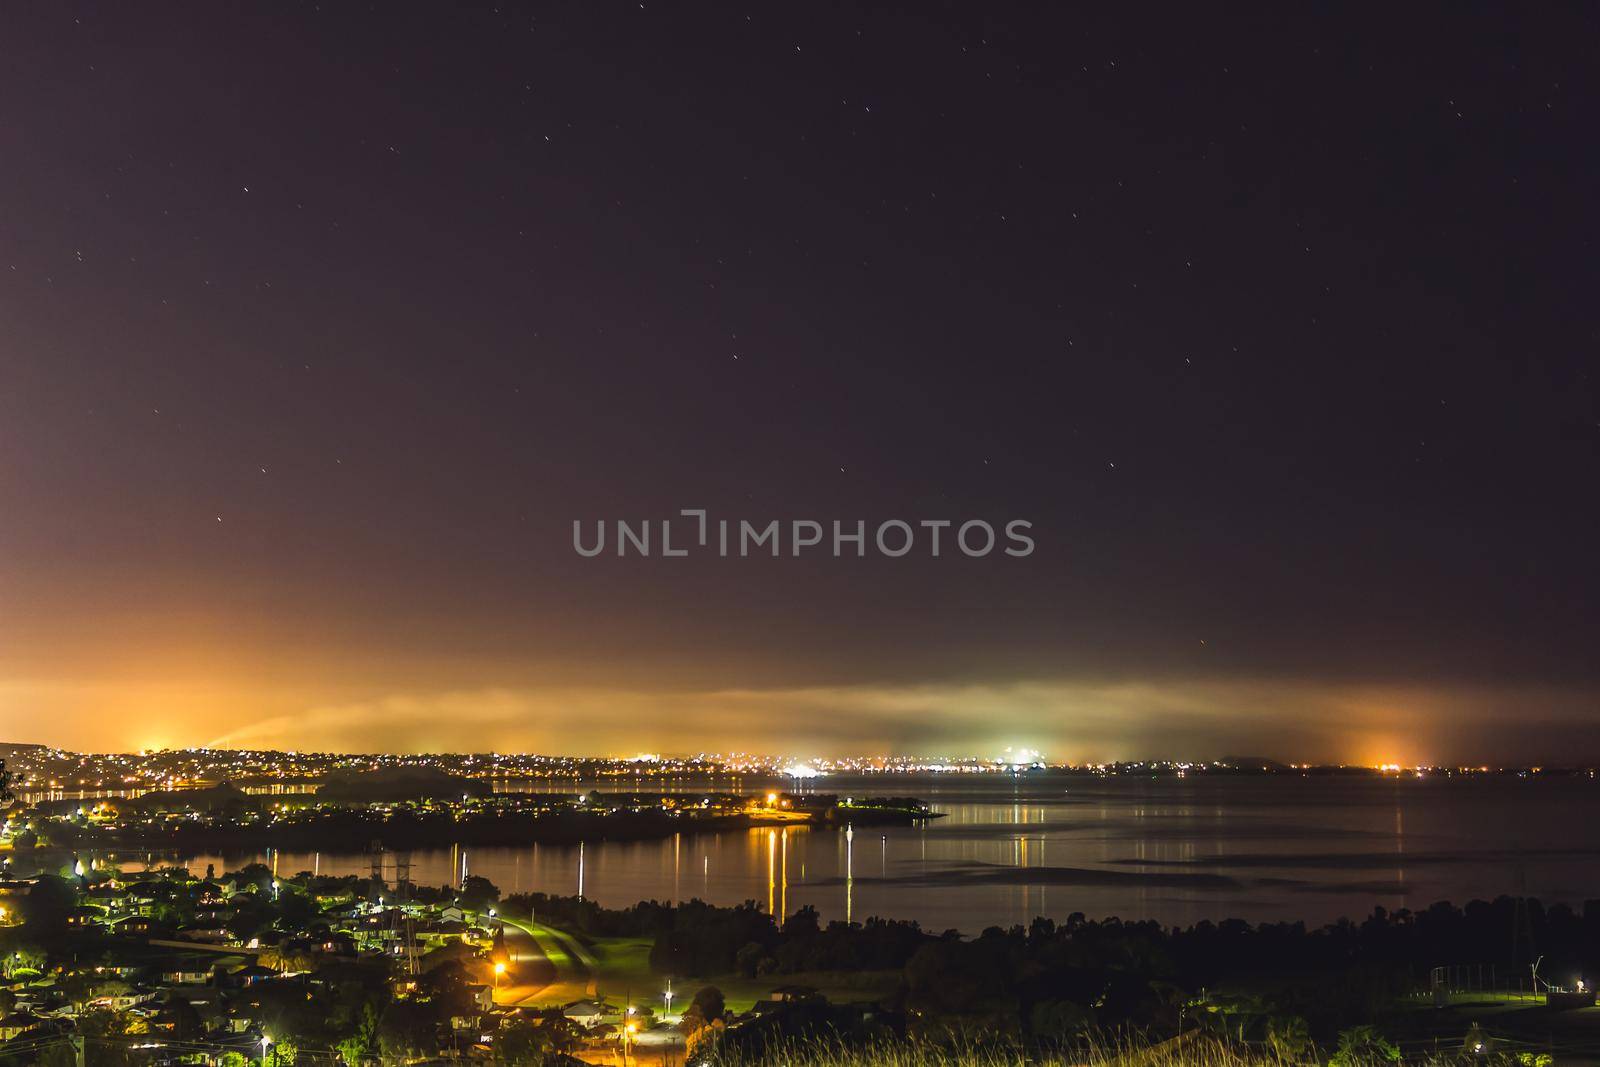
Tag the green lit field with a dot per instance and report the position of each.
(617, 970)
(622, 972)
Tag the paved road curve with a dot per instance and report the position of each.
(545, 966)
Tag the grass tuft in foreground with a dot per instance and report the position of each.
(1193, 1050)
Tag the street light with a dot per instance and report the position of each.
(266, 1042)
(667, 996)
(499, 969)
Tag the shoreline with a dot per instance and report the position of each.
(352, 831)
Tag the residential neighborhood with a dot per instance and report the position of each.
(186, 967)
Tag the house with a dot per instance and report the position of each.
(85, 915)
(587, 1013)
(108, 895)
(140, 898)
(190, 973)
(473, 1022)
(17, 1023)
(785, 995)
(121, 1001)
(240, 1017)
(252, 974)
(793, 994)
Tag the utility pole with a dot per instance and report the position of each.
(402, 874)
(627, 1023)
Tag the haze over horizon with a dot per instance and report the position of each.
(314, 346)
(1108, 723)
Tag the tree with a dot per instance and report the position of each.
(286, 957)
(516, 1046)
(80, 987)
(528, 1042)
(446, 986)
(23, 958)
(1363, 1046)
(60, 1054)
(404, 1033)
(363, 1038)
(186, 1022)
(248, 921)
(747, 961)
(49, 904)
(708, 1004)
(102, 1031)
(802, 923)
(702, 1024)
(477, 893)
(297, 912)
(700, 1046)
(1289, 1038)
(351, 1050)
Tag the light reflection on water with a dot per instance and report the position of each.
(1176, 850)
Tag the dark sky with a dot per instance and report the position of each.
(320, 325)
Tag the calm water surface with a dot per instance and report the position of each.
(1177, 850)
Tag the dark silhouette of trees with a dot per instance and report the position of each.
(477, 893)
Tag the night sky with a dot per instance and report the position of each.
(320, 325)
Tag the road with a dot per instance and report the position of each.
(545, 966)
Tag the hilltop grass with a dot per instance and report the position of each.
(1187, 1051)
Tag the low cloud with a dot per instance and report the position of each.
(1066, 720)
(1080, 721)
